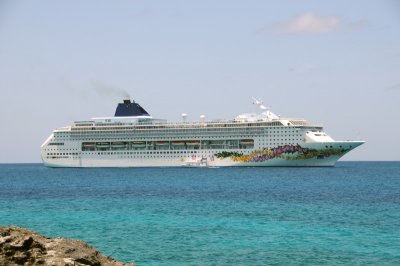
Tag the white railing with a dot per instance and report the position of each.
(186, 125)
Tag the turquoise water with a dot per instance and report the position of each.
(349, 214)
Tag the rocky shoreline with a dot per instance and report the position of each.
(19, 246)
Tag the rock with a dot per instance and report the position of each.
(19, 246)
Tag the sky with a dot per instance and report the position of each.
(335, 63)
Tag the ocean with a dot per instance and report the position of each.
(343, 215)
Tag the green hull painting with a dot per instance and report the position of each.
(287, 152)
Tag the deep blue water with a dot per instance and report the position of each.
(348, 214)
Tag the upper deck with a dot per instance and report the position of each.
(84, 125)
(143, 121)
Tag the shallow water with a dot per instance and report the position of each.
(348, 214)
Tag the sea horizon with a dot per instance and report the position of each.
(338, 162)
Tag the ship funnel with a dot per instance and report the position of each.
(130, 108)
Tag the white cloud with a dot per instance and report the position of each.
(310, 23)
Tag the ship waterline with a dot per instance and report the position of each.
(132, 138)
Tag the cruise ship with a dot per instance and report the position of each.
(133, 138)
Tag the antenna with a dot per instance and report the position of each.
(259, 103)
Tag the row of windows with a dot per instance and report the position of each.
(177, 132)
(169, 145)
(139, 152)
(63, 153)
(151, 152)
(180, 126)
(160, 154)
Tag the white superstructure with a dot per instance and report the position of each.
(132, 138)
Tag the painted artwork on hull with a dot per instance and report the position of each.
(287, 152)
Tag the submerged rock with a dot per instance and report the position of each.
(19, 246)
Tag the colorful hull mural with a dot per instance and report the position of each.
(287, 152)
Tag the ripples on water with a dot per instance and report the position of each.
(349, 214)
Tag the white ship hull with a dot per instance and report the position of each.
(89, 160)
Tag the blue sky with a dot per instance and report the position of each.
(334, 63)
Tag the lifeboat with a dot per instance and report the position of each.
(139, 143)
(118, 144)
(193, 142)
(177, 143)
(103, 144)
(246, 141)
(162, 143)
(88, 144)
